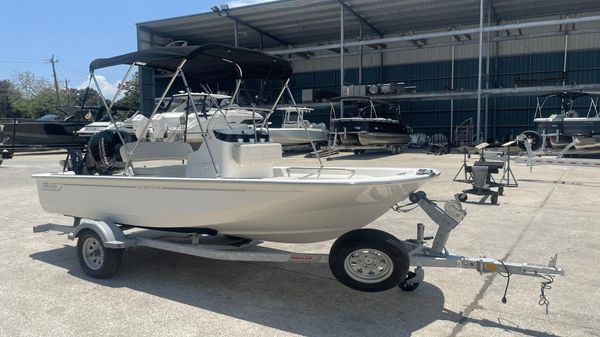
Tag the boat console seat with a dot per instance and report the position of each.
(237, 153)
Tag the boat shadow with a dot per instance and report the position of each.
(297, 298)
(360, 156)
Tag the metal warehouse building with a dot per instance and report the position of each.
(483, 61)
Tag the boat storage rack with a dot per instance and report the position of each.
(112, 238)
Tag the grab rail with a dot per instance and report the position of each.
(319, 169)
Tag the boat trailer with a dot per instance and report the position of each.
(363, 259)
(532, 158)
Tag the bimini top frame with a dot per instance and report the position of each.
(209, 62)
(567, 101)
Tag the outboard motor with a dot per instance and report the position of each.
(103, 152)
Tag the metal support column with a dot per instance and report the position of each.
(360, 56)
(262, 81)
(341, 59)
(565, 56)
(479, 72)
(235, 41)
(487, 70)
(452, 89)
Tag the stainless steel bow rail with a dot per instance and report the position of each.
(99, 241)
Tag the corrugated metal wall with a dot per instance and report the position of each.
(507, 116)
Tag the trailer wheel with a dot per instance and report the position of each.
(358, 151)
(501, 190)
(368, 260)
(406, 286)
(494, 199)
(95, 259)
(462, 197)
(534, 137)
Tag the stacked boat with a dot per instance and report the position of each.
(365, 126)
(569, 125)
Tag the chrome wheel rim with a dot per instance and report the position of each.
(367, 265)
(93, 254)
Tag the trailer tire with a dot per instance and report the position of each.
(95, 259)
(463, 197)
(534, 137)
(494, 199)
(368, 260)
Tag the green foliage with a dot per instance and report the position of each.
(32, 96)
(131, 98)
(38, 105)
(8, 93)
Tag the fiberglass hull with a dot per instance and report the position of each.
(279, 209)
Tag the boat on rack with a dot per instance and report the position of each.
(365, 126)
(295, 129)
(567, 125)
(231, 184)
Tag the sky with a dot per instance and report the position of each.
(77, 32)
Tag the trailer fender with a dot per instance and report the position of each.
(110, 234)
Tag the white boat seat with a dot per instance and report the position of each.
(147, 151)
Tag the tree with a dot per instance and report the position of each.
(8, 93)
(131, 98)
(30, 85)
(78, 97)
(42, 103)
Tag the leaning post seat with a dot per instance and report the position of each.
(238, 153)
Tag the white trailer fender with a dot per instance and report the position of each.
(110, 234)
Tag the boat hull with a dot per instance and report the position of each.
(370, 131)
(297, 136)
(587, 143)
(44, 134)
(274, 209)
(382, 138)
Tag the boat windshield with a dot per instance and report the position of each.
(203, 104)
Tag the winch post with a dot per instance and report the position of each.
(445, 222)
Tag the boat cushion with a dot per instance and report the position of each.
(146, 151)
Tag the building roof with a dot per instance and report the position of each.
(292, 23)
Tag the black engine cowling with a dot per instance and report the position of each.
(103, 151)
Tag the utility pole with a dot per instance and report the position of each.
(67, 96)
(53, 61)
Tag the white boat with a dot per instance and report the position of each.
(230, 184)
(569, 124)
(215, 109)
(296, 130)
(172, 124)
(251, 198)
